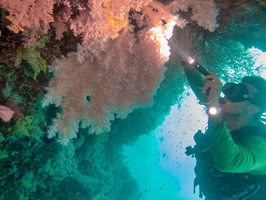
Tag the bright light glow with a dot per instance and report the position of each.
(168, 29)
(214, 110)
(162, 34)
(191, 60)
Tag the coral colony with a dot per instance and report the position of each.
(80, 79)
(112, 65)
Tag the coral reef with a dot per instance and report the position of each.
(93, 84)
(117, 75)
(30, 17)
(79, 67)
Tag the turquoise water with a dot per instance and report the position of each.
(158, 160)
(135, 150)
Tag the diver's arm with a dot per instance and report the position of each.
(194, 78)
(248, 155)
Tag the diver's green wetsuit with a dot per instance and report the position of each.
(247, 154)
(229, 163)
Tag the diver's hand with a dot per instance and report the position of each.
(212, 88)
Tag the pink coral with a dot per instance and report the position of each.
(95, 19)
(118, 75)
(104, 18)
(32, 17)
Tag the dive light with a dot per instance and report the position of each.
(213, 110)
(198, 66)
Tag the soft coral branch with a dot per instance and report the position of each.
(118, 75)
(32, 17)
(95, 19)
(110, 76)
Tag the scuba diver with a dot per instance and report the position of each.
(231, 154)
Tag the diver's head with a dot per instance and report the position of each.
(246, 98)
(259, 97)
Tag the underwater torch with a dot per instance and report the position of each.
(198, 66)
(213, 110)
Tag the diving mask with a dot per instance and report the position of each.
(236, 92)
